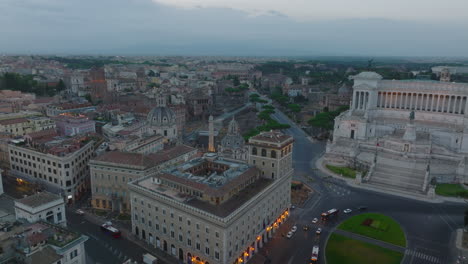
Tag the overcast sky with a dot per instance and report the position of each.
(235, 27)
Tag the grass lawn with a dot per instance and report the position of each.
(377, 226)
(343, 250)
(448, 189)
(346, 172)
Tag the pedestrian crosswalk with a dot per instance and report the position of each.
(336, 190)
(416, 257)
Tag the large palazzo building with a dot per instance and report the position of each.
(403, 132)
(216, 210)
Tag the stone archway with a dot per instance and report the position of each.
(181, 254)
(165, 246)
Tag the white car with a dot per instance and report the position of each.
(294, 229)
(319, 231)
(347, 211)
(79, 212)
(289, 235)
(314, 221)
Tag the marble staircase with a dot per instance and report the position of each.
(398, 173)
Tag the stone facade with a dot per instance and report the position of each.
(177, 210)
(62, 172)
(42, 206)
(408, 123)
(111, 172)
(232, 145)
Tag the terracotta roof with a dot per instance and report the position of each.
(43, 133)
(36, 238)
(13, 121)
(146, 161)
(124, 158)
(272, 136)
(168, 154)
(38, 199)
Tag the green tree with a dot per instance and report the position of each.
(294, 107)
(236, 81)
(151, 73)
(60, 85)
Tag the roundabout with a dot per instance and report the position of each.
(366, 239)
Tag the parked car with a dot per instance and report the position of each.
(347, 211)
(294, 229)
(79, 212)
(289, 235)
(314, 221)
(319, 231)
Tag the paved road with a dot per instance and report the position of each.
(429, 227)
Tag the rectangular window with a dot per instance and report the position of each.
(198, 246)
(207, 250)
(189, 242)
(217, 255)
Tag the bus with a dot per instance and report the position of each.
(329, 213)
(314, 257)
(108, 228)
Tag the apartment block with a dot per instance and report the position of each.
(60, 165)
(215, 210)
(111, 172)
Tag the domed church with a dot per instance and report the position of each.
(232, 145)
(161, 120)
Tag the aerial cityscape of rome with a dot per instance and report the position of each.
(233, 132)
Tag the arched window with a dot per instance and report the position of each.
(264, 152)
(273, 154)
(136, 231)
(254, 151)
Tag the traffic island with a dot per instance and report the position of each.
(366, 239)
(376, 226)
(344, 250)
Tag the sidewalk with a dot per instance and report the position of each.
(351, 182)
(163, 257)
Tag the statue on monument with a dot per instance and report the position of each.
(411, 116)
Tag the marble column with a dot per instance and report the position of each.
(438, 103)
(449, 103)
(354, 100)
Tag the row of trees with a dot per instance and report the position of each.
(270, 123)
(326, 119)
(27, 84)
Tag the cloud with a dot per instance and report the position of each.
(312, 10)
(219, 28)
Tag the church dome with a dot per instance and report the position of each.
(161, 116)
(233, 138)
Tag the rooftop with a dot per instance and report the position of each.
(274, 137)
(230, 183)
(39, 199)
(46, 255)
(13, 121)
(142, 160)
